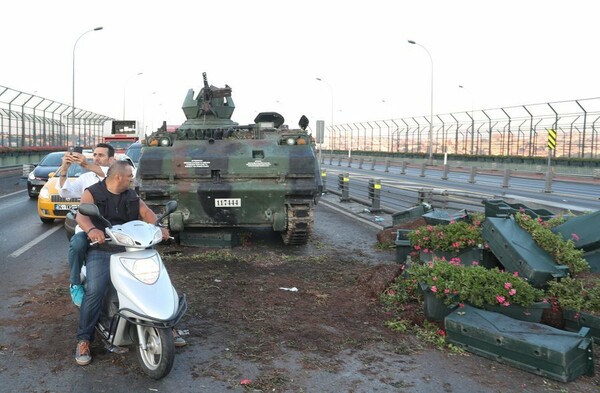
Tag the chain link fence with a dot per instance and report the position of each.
(510, 131)
(30, 120)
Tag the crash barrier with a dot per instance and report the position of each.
(508, 171)
(377, 194)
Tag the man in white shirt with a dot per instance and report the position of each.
(103, 158)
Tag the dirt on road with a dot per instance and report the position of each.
(268, 318)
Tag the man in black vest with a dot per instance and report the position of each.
(118, 204)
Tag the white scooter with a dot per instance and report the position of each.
(141, 306)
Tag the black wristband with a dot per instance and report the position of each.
(91, 229)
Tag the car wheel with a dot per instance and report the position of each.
(47, 220)
(32, 196)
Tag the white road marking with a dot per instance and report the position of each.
(35, 241)
(12, 193)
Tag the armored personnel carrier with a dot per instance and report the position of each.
(226, 175)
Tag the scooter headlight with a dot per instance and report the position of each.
(123, 239)
(157, 236)
(146, 270)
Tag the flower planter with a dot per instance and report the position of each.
(531, 313)
(435, 309)
(467, 256)
(403, 247)
(576, 320)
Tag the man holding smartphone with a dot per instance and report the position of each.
(103, 158)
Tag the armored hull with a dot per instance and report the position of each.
(225, 176)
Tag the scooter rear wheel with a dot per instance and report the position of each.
(157, 359)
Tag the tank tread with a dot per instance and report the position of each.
(300, 220)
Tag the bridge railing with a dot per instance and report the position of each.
(30, 120)
(517, 130)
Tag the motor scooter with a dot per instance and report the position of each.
(141, 306)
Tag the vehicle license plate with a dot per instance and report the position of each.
(228, 202)
(64, 207)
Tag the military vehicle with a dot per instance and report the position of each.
(226, 175)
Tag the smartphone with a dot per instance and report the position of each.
(71, 149)
(78, 149)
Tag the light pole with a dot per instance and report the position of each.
(472, 118)
(331, 91)
(73, 85)
(431, 108)
(125, 90)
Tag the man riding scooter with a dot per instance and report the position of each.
(118, 204)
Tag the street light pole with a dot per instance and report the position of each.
(331, 91)
(472, 118)
(73, 84)
(431, 106)
(125, 89)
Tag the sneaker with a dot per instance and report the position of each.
(178, 340)
(83, 356)
(77, 292)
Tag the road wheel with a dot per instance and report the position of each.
(47, 220)
(157, 359)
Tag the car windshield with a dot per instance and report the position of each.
(134, 153)
(52, 159)
(76, 170)
(120, 144)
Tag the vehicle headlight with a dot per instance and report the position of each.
(145, 270)
(44, 193)
(290, 141)
(123, 239)
(165, 142)
(31, 176)
(157, 236)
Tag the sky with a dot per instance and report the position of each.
(503, 53)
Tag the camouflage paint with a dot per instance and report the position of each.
(210, 158)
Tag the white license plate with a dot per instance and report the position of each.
(64, 207)
(228, 202)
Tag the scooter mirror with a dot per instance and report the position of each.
(171, 207)
(89, 209)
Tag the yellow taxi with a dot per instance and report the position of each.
(50, 204)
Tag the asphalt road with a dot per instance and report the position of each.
(34, 253)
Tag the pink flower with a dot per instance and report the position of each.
(500, 299)
(475, 263)
(506, 304)
(575, 237)
(456, 245)
(441, 332)
(512, 292)
(417, 247)
(507, 285)
(461, 304)
(434, 278)
(446, 290)
(391, 292)
(433, 288)
(516, 274)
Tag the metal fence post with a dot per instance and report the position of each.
(473, 173)
(445, 173)
(423, 165)
(403, 169)
(506, 178)
(548, 186)
(344, 185)
(324, 179)
(387, 165)
(375, 194)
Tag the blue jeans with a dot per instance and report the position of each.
(97, 283)
(77, 249)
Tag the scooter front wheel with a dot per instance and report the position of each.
(157, 359)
